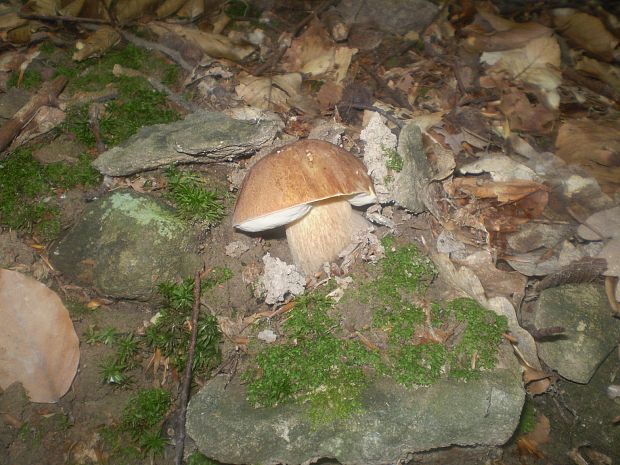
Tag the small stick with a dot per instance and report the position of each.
(45, 96)
(187, 376)
(67, 19)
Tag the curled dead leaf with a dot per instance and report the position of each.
(97, 43)
(587, 32)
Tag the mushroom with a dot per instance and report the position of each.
(308, 187)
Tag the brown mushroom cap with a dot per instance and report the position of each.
(281, 187)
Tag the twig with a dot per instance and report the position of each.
(66, 19)
(187, 376)
(361, 106)
(396, 95)
(541, 333)
(172, 54)
(276, 58)
(45, 96)
(94, 115)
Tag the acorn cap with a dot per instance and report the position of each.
(282, 186)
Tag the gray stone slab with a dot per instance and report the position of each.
(395, 421)
(202, 137)
(591, 332)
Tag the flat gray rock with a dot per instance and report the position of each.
(395, 422)
(591, 333)
(394, 16)
(202, 137)
(125, 244)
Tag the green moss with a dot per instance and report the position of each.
(314, 366)
(527, 421)
(393, 161)
(417, 364)
(191, 198)
(31, 80)
(196, 458)
(171, 333)
(480, 340)
(139, 430)
(137, 104)
(27, 191)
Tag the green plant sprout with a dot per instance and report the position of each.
(193, 201)
(171, 332)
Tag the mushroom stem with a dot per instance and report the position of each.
(321, 234)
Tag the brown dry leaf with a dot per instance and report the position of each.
(329, 95)
(45, 119)
(169, 7)
(214, 45)
(279, 93)
(587, 32)
(536, 381)
(97, 43)
(537, 63)
(42, 7)
(523, 115)
(38, 344)
(593, 144)
(72, 8)
(529, 444)
(10, 21)
(192, 9)
(507, 191)
(315, 53)
(605, 72)
(126, 10)
(508, 34)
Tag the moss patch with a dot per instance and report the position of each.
(27, 189)
(171, 332)
(313, 366)
(137, 104)
(319, 364)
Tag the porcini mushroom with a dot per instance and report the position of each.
(308, 187)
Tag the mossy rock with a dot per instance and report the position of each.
(125, 244)
(394, 421)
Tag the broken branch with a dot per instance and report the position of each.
(45, 96)
(187, 375)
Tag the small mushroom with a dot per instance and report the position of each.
(308, 187)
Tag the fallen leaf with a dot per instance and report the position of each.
(192, 9)
(501, 168)
(97, 43)
(214, 45)
(536, 381)
(523, 115)
(587, 32)
(506, 191)
(507, 34)
(38, 344)
(315, 53)
(537, 63)
(169, 7)
(329, 95)
(529, 444)
(126, 10)
(605, 72)
(45, 119)
(593, 144)
(279, 92)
